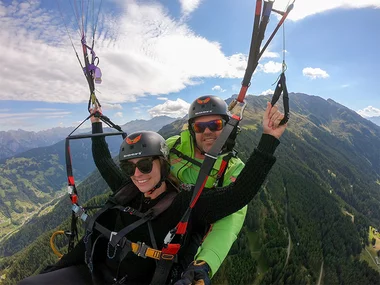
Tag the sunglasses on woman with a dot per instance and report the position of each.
(214, 125)
(144, 165)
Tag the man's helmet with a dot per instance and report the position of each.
(208, 105)
(142, 144)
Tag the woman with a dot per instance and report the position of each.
(143, 158)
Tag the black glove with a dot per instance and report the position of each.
(197, 273)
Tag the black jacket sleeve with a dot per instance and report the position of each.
(216, 203)
(110, 172)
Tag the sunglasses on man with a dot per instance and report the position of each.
(214, 125)
(144, 165)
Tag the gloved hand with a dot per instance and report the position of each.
(196, 274)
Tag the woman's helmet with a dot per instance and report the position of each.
(143, 144)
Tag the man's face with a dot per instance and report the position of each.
(206, 139)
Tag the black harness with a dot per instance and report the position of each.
(118, 245)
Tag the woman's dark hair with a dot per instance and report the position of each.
(165, 172)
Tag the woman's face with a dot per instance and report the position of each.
(146, 181)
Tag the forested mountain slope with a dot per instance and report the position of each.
(309, 220)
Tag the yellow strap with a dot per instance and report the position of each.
(52, 243)
(150, 252)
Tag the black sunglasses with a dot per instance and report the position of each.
(145, 166)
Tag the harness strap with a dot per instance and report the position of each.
(138, 248)
(156, 210)
(117, 237)
(129, 210)
(281, 88)
(223, 169)
(184, 156)
(151, 233)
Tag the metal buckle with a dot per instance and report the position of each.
(129, 210)
(142, 249)
(170, 235)
(112, 234)
(233, 104)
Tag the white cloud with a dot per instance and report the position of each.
(271, 67)
(315, 73)
(270, 54)
(267, 92)
(28, 120)
(175, 109)
(369, 111)
(118, 115)
(46, 109)
(137, 110)
(140, 42)
(303, 9)
(162, 98)
(29, 115)
(188, 6)
(108, 106)
(218, 88)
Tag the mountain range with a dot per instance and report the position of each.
(309, 224)
(375, 119)
(17, 141)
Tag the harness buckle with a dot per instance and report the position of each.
(111, 235)
(142, 249)
(129, 210)
(170, 235)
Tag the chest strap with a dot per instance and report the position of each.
(182, 155)
(118, 239)
(138, 248)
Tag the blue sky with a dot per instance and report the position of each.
(158, 56)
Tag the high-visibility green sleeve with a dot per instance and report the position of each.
(218, 242)
(224, 232)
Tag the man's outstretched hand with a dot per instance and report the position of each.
(196, 274)
(271, 121)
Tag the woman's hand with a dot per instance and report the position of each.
(94, 118)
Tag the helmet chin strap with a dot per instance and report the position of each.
(201, 151)
(158, 185)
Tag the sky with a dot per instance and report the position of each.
(156, 57)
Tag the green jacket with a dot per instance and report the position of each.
(218, 242)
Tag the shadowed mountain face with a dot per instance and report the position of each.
(310, 219)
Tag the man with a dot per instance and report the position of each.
(207, 117)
